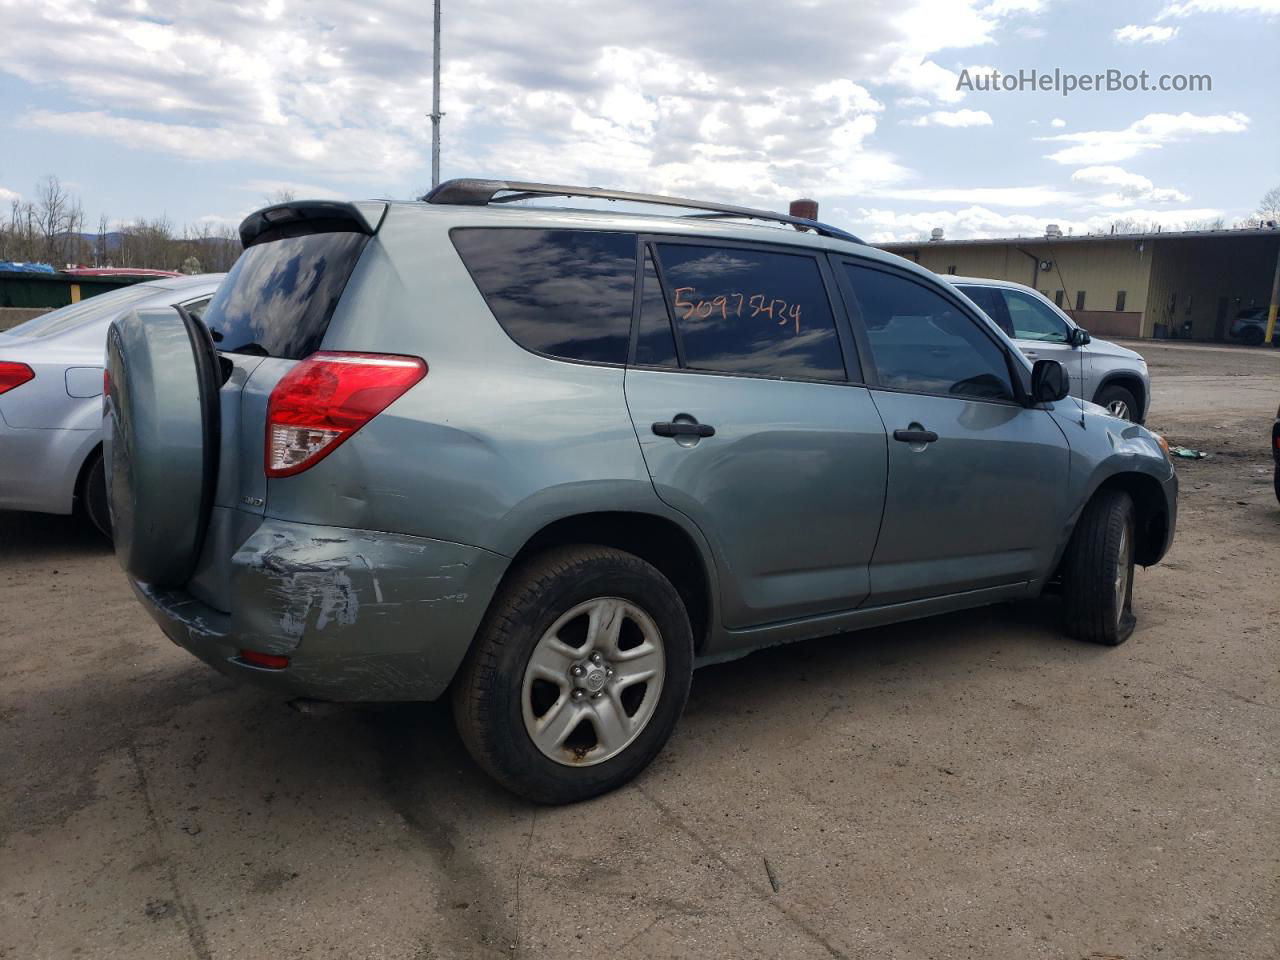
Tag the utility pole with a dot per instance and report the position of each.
(435, 102)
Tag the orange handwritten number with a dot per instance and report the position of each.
(685, 303)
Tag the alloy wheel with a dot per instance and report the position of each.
(593, 681)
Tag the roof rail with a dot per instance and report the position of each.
(479, 193)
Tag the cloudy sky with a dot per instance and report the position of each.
(198, 109)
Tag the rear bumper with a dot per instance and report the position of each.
(362, 615)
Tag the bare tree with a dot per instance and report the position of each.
(283, 195)
(1269, 207)
(100, 252)
(59, 217)
(49, 229)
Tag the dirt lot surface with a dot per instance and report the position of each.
(974, 785)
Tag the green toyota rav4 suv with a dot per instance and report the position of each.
(548, 460)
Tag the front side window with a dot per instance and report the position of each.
(564, 293)
(751, 312)
(921, 342)
(991, 300)
(1034, 320)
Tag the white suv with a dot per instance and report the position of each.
(1106, 373)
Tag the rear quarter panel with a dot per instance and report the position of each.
(493, 443)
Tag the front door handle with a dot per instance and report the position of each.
(683, 428)
(915, 436)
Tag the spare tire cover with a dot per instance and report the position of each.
(160, 442)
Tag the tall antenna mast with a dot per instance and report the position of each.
(435, 102)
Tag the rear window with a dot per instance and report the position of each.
(564, 293)
(66, 318)
(279, 296)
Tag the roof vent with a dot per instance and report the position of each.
(1053, 230)
(804, 207)
(935, 234)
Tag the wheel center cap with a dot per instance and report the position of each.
(594, 680)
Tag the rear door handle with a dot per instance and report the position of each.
(683, 428)
(915, 436)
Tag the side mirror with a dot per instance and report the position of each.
(1079, 337)
(1049, 381)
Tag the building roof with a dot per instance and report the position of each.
(1086, 238)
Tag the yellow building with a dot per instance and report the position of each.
(1178, 284)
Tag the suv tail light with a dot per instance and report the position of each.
(14, 374)
(328, 397)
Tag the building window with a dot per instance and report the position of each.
(1119, 301)
(1079, 299)
(1059, 296)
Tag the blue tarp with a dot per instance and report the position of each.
(12, 267)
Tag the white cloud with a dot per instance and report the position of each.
(878, 225)
(1005, 7)
(1057, 122)
(1148, 34)
(953, 118)
(1129, 187)
(8, 196)
(303, 191)
(1149, 133)
(1270, 8)
(1039, 196)
(324, 89)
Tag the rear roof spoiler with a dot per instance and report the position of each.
(299, 217)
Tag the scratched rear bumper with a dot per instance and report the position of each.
(362, 615)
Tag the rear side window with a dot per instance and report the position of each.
(279, 296)
(922, 343)
(751, 312)
(564, 293)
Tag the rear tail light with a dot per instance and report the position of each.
(328, 397)
(268, 661)
(13, 374)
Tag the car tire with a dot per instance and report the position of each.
(547, 618)
(1097, 571)
(93, 495)
(1119, 401)
(1253, 336)
(1276, 482)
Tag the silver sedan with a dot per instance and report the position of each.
(51, 397)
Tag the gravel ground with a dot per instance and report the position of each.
(973, 785)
